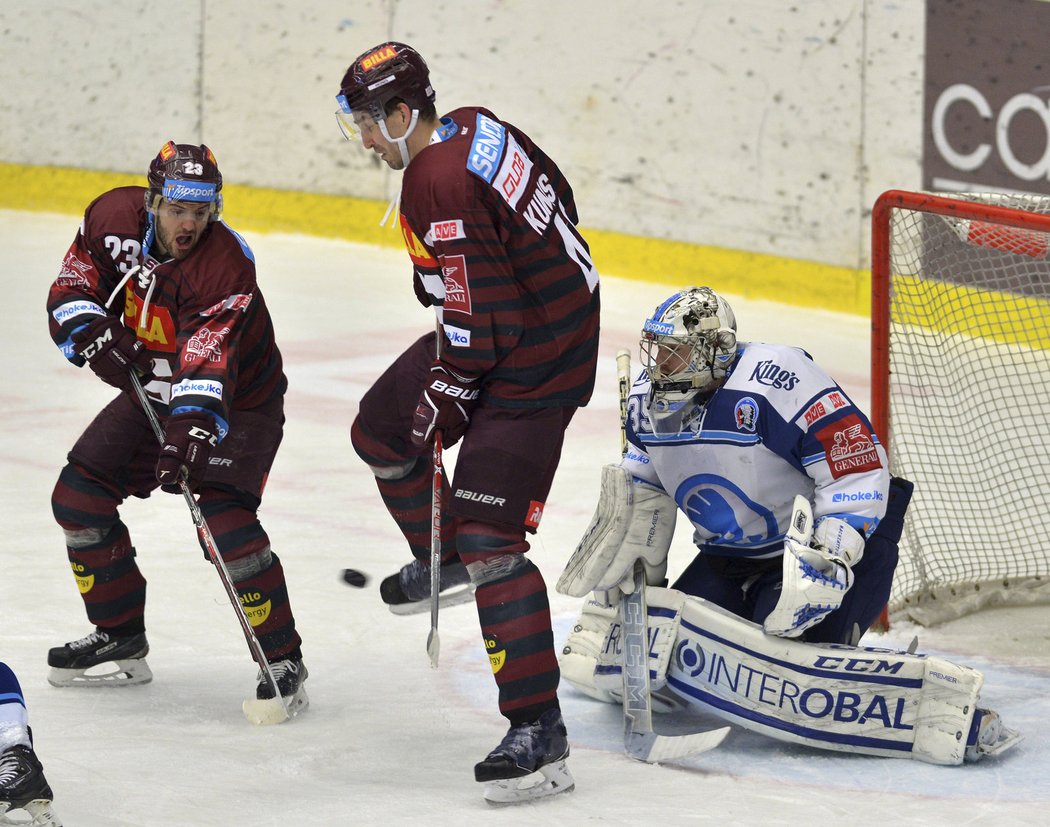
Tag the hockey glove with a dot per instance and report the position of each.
(445, 406)
(188, 442)
(112, 351)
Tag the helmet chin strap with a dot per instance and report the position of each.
(402, 142)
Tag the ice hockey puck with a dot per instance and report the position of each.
(355, 578)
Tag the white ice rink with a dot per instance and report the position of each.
(388, 740)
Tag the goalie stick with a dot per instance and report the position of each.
(259, 711)
(639, 740)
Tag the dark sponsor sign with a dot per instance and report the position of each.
(986, 122)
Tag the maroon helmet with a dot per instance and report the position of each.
(390, 70)
(183, 172)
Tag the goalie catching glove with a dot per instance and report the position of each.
(633, 521)
(445, 405)
(817, 571)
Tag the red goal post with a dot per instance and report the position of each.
(960, 394)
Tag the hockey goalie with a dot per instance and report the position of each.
(796, 522)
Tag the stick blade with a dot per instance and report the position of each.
(433, 648)
(265, 711)
(654, 749)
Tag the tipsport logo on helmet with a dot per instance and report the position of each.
(175, 190)
(657, 328)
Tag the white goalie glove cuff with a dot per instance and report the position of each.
(838, 539)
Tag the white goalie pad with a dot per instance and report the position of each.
(632, 522)
(591, 659)
(814, 581)
(663, 613)
(848, 699)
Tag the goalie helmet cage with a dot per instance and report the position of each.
(961, 395)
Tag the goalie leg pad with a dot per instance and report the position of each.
(579, 656)
(848, 699)
(632, 522)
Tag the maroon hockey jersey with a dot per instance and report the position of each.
(490, 225)
(203, 319)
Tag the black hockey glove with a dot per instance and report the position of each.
(112, 351)
(445, 406)
(188, 442)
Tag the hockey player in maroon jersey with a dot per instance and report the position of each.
(155, 283)
(490, 225)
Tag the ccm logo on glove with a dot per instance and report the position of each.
(188, 443)
(112, 351)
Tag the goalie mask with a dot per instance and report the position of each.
(377, 77)
(687, 346)
(183, 172)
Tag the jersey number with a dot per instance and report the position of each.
(125, 251)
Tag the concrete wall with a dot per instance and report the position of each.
(753, 125)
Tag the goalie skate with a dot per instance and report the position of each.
(100, 659)
(24, 790)
(529, 762)
(988, 736)
(408, 591)
(265, 709)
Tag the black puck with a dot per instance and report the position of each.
(355, 578)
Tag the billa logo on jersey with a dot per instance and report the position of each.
(497, 652)
(419, 254)
(849, 446)
(255, 608)
(535, 514)
(158, 331)
(377, 58)
(457, 293)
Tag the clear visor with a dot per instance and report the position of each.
(354, 123)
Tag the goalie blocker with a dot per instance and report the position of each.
(847, 699)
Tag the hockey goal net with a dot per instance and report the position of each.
(961, 395)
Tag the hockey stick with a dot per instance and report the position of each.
(266, 711)
(433, 640)
(639, 740)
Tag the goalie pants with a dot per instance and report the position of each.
(503, 473)
(115, 458)
(750, 588)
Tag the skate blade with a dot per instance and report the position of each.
(271, 711)
(1007, 738)
(36, 813)
(452, 597)
(548, 780)
(129, 672)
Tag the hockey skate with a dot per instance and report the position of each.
(100, 659)
(265, 709)
(408, 591)
(24, 788)
(529, 762)
(988, 736)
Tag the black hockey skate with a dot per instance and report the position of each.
(23, 787)
(408, 591)
(100, 659)
(266, 708)
(529, 762)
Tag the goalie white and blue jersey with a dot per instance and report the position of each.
(779, 426)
